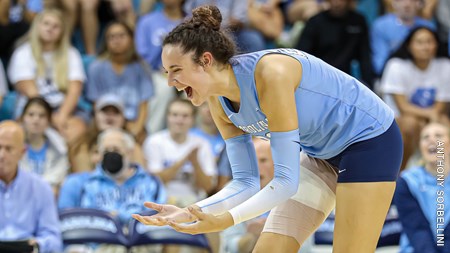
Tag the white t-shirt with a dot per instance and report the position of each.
(161, 151)
(3, 84)
(23, 67)
(421, 87)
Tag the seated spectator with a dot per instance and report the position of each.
(48, 66)
(150, 31)
(117, 185)
(419, 195)
(85, 12)
(108, 113)
(416, 77)
(120, 71)
(3, 84)
(15, 19)
(183, 161)
(27, 211)
(235, 18)
(338, 36)
(390, 30)
(46, 151)
(207, 129)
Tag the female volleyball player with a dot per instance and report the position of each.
(300, 103)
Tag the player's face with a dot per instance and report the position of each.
(50, 29)
(434, 139)
(185, 75)
(35, 120)
(423, 45)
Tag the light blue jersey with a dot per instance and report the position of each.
(334, 110)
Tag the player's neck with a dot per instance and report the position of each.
(227, 85)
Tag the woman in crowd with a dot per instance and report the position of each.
(46, 151)
(47, 65)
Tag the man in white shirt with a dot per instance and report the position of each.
(184, 162)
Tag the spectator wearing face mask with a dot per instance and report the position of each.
(116, 185)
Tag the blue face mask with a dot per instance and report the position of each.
(112, 162)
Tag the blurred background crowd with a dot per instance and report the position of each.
(102, 129)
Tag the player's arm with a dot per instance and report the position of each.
(242, 157)
(277, 77)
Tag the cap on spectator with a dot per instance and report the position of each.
(110, 100)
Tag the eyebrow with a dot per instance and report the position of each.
(171, 67)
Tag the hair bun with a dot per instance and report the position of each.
(208, 15)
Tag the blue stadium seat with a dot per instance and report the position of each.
(81, 225)
(140, 234)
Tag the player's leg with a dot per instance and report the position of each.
(292, 222)
(366, 184)
(361, 210)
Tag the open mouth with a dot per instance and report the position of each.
(188, 91)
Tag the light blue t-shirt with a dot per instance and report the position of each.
(150, 32)
(133, 85)
(334, 110)
(37, 158)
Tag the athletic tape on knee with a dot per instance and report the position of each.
(314, 192)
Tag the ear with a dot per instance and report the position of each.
(207, 59)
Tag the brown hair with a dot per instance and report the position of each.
(42, 103)
(202, 33)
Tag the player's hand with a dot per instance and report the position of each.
(166, 214)
(205, 223)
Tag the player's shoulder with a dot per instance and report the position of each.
(273, 69)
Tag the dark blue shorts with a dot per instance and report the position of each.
(373, 160)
